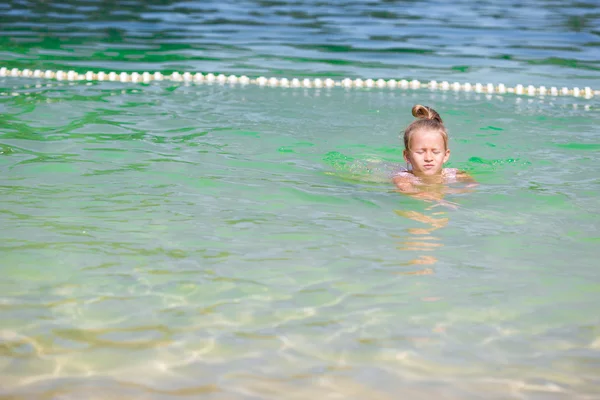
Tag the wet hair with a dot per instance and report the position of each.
(427, 118)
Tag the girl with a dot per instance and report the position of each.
(425, 152)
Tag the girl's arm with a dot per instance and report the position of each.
(462, 176)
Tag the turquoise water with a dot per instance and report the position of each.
(167, 241)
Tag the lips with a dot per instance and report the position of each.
(428, 166)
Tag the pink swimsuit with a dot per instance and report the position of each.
(449, 174)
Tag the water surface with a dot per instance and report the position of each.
(167, 241)
(539, 42)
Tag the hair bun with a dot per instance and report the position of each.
(424, 112)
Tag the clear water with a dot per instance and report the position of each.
(168, 241)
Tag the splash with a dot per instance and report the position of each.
(363, 168)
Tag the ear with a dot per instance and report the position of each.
(447, 156)
(405, 154)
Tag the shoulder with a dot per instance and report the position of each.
(403, 176)
(453, 175)
(404, 181)
(450, 174)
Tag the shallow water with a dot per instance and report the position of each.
(168, 241)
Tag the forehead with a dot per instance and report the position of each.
(427, 138)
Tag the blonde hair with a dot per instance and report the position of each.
(427, 118)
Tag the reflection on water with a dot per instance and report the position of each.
(423, 241)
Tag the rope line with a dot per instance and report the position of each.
(146, 77)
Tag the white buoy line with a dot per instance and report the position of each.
(146, 77)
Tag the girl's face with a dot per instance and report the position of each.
(427, 153)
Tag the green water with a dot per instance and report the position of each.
(167, 241)
(163, 242)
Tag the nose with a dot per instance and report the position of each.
(428, 156)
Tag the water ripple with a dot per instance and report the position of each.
(505, 42)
